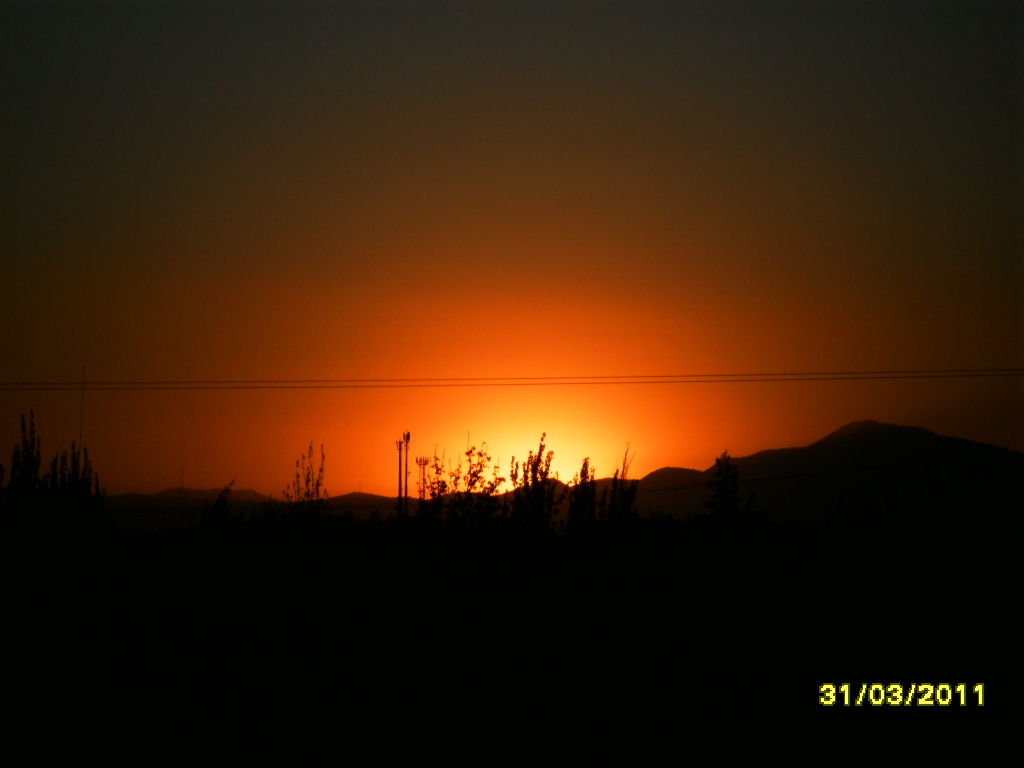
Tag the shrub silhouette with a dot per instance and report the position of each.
(473, 497)
(307, 492)
(23, 488)
(534, 496)
(70, 492)
(619, 507)
(463, 498)
(583, 502)
(468, 495)
(216, 515)
(432, 508)
(72, 487)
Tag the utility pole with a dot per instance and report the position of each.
(406, 437)
(398, 443)
(81, 412)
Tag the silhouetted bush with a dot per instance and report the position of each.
(464, 498)
(468, 496)
(307, 493)
(68, 494)
(583, 501)
(23, 488)
(619, 508)
(472, 498)
(461, 590)
(216, 515)
(534, 497)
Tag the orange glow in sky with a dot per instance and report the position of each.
(343, 192)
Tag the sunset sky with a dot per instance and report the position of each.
(392, 190)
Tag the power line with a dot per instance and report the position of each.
(517, 378)
(499, 381)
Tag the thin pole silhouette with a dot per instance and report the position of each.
(398, 443)
(81, 412)
(406, 437)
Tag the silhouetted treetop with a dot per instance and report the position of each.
(307, 492)
(534, 495)
(619, 507)
(725, 503)
(583, 503)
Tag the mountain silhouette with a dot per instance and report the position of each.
(175, 507)
(865, 469)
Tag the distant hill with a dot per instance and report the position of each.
(181, 498)
(679, 492)
(865, 469)
(364, 505)
(176, 507)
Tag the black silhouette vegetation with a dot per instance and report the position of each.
(67, 495)
(725, 503)
(307, 493)
(526, 586)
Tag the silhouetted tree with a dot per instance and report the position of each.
(534, 497)
(725, 503)
(26, 461)
(472, 497)
(463, 497)
(216, 514)
(583, 503)
(619, 506)
(432, 508)
(71, 487)
(69, 492)
(307, 492)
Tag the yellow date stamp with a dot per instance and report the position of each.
(898, 695)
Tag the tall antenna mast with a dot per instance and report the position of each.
(421, 462)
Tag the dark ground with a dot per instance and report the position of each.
(650, 620)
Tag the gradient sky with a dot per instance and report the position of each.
(505, 189)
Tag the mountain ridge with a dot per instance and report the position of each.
(858, 469)
(861, 468)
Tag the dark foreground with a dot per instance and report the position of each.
(649, 619)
